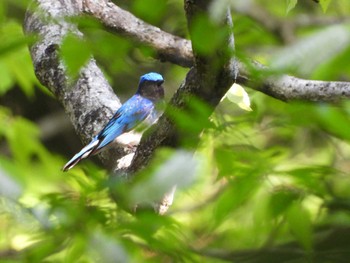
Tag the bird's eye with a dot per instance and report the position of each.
(160, 82)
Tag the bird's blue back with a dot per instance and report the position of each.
(131, 113)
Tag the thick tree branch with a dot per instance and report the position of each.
(89, 101)
(284, 87)
(169, 47)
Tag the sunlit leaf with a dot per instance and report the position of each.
(239, 96)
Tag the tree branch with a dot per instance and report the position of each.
(89, 101)
(288, 88)
(169, 47)
(283, 87)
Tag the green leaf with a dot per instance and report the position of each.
(191, 119)
(7, 79)
(300, 224)
(150, 10)
(333, 120)
(281, 199)
(335, 68)
(24, 75)
(202, 42)
(240, 160)
(324, 5)
(77, 249)
(14, 52)
(290, 5)
(20, 147)
(238, 191)
(312, 178)
(75, 53)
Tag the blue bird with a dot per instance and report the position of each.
(139, 107)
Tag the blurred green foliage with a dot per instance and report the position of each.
(267, 185)
(14, 52)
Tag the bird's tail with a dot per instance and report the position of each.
(84, 153)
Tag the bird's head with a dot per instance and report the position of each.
(150, 86)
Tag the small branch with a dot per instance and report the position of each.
(289, 88)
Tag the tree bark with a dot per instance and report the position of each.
(89, 101)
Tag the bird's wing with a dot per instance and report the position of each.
(129, 115)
